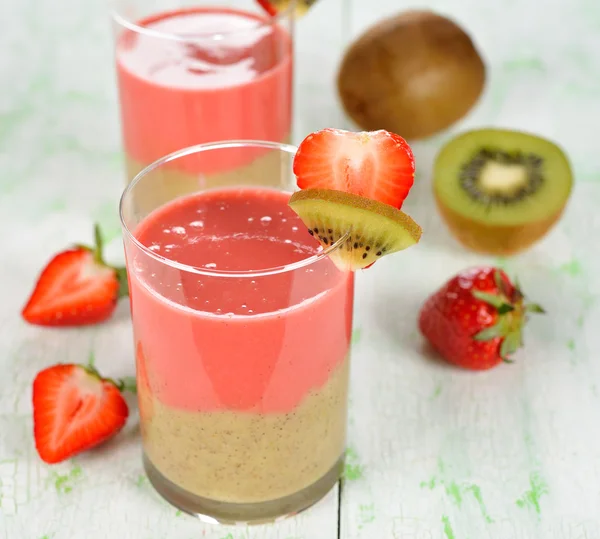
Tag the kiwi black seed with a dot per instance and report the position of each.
(500, 190)
(368, 229)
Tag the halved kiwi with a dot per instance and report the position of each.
(373, 229)
(501, 190)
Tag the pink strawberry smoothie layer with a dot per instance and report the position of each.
(257, 344)
(179, 85)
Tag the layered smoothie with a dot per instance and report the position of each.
(242, 379)
(202, 75)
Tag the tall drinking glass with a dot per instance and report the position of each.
(242, 330)
(192, 72)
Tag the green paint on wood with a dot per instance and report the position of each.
(531, 498)
(476, 492)
(352, 472)
(107, 216)
(356, 334)
(352, 469)
(447, 528)
(436, 392)
(571, 345)
(351, 454)
(456, 492)
(429, 484)
(57, 205)
(453, 492)
(572, 268)
(64, 483)
(525, 64)
(228, 536)
(366, 514)
(178, 513)
(141, 480)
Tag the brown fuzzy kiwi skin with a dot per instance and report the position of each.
(495, 239)
(414, 74)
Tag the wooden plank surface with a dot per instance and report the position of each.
(512, 453)
(60, 171)
(435, 453)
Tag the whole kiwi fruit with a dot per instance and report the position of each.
(414, 74)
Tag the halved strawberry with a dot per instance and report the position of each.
(75, 409)
(268, 6)
(378, 165)
(76, 288)
(273, 7)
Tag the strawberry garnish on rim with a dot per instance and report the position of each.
(75, 409)
(476, 319)
(268, 7)
(76, 288)
(378, 165)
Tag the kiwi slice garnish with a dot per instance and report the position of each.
(500, 190)
(370, 229)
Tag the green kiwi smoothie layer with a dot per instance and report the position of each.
(242, 457)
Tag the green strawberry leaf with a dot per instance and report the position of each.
(126, 384)
(121, 274)
(490, 333)
(98, 244)
(534, 308)
(505, 308)
(490, 299)
(510, 344)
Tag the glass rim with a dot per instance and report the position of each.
(190, 150)
(269, 20)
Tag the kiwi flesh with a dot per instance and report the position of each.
(414, 74)
(302, 6)
(499, 190)
(369, 229)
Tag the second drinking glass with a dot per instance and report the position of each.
(197, 72)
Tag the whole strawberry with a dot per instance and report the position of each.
(476, 319)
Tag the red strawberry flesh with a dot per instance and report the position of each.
(74, 410)
(268, 7)
(378, 165)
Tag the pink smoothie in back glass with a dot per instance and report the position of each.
(181, 85)
(242, 380)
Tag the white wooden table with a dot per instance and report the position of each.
(435, 453)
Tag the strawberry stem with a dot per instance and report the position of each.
(123, 283)
(125, 384)
(122, 384)
(120, 272)
(98, 244)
